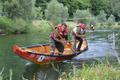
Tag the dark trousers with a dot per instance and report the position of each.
(55, 44)
(80, 43)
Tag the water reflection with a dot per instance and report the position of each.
(46, 72)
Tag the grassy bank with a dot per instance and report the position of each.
(95, 70)
(102, 71)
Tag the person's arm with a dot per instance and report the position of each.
(56, 37)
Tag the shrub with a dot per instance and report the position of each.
(40, 26)
(20, 26)
(14, 26)
(5, 23)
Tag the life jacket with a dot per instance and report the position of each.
(60, 32)
(81, 30)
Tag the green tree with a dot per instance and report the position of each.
(27, 7)
(111, 20)
(82, 16)
(11, 8)
(115, 7)
(38, 14)
(102, 16)
(98, 5)
(41, 3)
(73, 5)
(56, 12)
(19, 9)
(1, 8)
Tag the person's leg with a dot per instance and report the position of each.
(52, 46)
(80, 43)
(60, 48)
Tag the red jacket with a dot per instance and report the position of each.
(59, 28)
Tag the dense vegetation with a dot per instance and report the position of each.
(110, 6)
(14, 12)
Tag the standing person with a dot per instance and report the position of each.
(78, 33)
(58, 38)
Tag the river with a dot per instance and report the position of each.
(98, 43)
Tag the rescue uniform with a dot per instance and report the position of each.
(56, 44)
(78, 30)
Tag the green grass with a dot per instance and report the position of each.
(10, 75)
(95, 72)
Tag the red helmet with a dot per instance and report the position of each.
(81, 25)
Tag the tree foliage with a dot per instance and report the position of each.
(98, 5)
(56, 12)
(102, 16)
(109, 6)
(38, 14)
(82, 16)
(18, 9)
(73, 5)
(111, 20)
(115, 7)
(1, 8)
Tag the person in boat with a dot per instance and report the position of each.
(92, 24)
(78, 33)
(58, 37)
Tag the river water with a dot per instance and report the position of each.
(98, 43)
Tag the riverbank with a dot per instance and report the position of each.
(20, 26)
(99, 71)
(88, 71)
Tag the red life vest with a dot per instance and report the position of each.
(81, 30)
(60, 32)
(81, 25)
